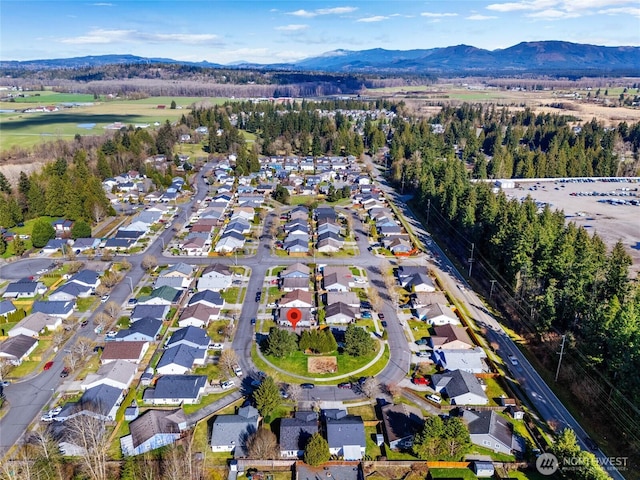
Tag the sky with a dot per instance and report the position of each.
(261, 31)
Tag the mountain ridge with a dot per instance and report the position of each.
(550, 56)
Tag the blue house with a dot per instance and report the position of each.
(143, 330)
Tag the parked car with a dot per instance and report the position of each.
(5, 383)
(237, 370)
(344, 385)
(383, 323)
(420, 380)
(132, 301)
(381, 316)
(216, 346)
(435, 398)
(47, 365)
(64, 373)
(366, 315)
(228, 384)
(104, 299)
(47, 417)
(283, 393)
(513, 360)
(421, 341)
(111, 333)
(422, 354)
(253, 321)
(307, 386)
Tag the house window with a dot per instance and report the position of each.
(497, 446)
(486, 442)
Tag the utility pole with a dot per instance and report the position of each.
(473, 245)
(564, 337)
(493, 282)
(428, 208)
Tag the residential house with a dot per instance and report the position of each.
(129, 351)
(450, 337)
(462, 388)
(6, 308)
(207, 297)
(440, 314)
(296, 270)
(345, 434)
(198, 315)
(297, 245)
(328, 227)
(70, 292)
(118, 244)
(174, 282)
(153, 429)
(420, 282)
(17, 349)
(118, 374)
(62, 227)
(161, 296)
(54, 245)
(229, 433)
(229, 242)
(62, 309)
(401, 422)
(215, 277)
(329, 245)
(336, 278)
(101, 402)
(180, 360)
(348, 298)
(294, 283)
(191, 336)
(471, 360)
(159, 312)
(339, 313)
(297, 299)
(145, 329)
(490, 430)
(422, 299)
(194, 246)
(86, 278)
(176, 390)
(24, 289)
(295, 433)
(180, 270)
(306, 318)
(34, 324)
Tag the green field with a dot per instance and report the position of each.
(29, 129)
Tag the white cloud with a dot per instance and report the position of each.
(104, 36)
(376, 18)
(557, 9)
(323, 11)
(478, 17)
(102, 4)
(634, 12)
(437, 15)
(550, 14)
(523, 5)
(292, 28)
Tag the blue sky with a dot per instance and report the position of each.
(225, 31)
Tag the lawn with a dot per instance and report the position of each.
(494, 390)
(214, 328)
(461, 473)
(85, 304)
(367, 412)
(296, 363)
(372, 449)
(230, 295)
(419, 329)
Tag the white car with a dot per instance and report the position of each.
(435, 398)
(47, 417)
(111, 333)
(227, 385)
(216, 346)
(272, 305)
(513, 360)
(237, 370)
(55, 411)
(104, 299)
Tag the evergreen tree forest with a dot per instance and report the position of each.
(552, 277)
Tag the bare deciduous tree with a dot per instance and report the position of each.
(90, 434)
(5, 367)
(102, 290)
(74, 267)
(98, 212)
(263, 445)
(371, 387)
(228, 360)
(20, 466)
(83, 347)
(294, 391)
(101, 320)
(58, 338)
(112, 309)
(110, 279)
(149, 263)
(125, 264)
(72, 361)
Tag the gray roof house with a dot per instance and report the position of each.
(101, 402)
(183, 270)
(62, 309)
(180, 360)
(401, 422)
(6, 307)
(296, 270)
(198, 315)
(462, 388)
(207, 297)
(118, 374)
(215, 277)
(470, 360)
(144, 329)
(176, 390)
(229, 433)
(173, 282)
(24, 288)
(192, 336)
(69, 292)
(489, 430)
(340, 313)
(345, 434)
(16, 349)
(32, 325)
(295, 433)
(153, 429)
(154, 311)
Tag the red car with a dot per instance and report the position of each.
(48, 365)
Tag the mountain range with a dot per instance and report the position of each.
(550, 57)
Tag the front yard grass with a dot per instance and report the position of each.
(461, 473)
(494, 390)
(230, 295)
(215, 328)
(87, 303)
(419, 329)
(367, 412)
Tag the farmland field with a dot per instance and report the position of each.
(28, 129)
